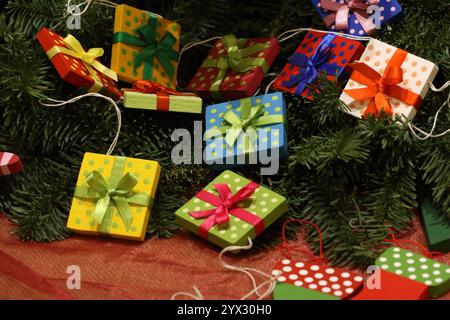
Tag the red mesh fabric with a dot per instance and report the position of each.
(114, 269)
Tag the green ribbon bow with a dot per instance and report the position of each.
(252, 117)
(237, 59)
(106, 195)
(151, 48)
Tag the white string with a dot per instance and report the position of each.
(92, 94)
(294, 32)
(198, 295)
(269, 86)
(247, 271)
(105, 3)
(427, 135)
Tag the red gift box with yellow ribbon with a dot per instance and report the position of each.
(234, 68)
(77, 66)
(389, 81)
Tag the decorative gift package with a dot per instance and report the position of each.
(77, 66)
(297, 280)
(234, 68)
(230, 209)
(154, 96)
(389, 79)
(435, 275)
(9, 164)
(353, 16)
(436, 226)
(318, 52)
(238, 132)
(145, 46)
(114, 196)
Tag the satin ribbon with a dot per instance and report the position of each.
(342, 13)
(162, 93)
(226, 205)
(311, 66)
(251, 118)
(114, 194)
(237, 58)
(379, 87)
(151, 48)
(88, 58)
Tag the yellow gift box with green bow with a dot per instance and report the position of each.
(114, 196)
(145, 47)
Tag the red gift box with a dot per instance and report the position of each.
(234, 85)
(328, 52)
(9, 164)
(74, 70)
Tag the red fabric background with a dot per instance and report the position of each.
(115, 269)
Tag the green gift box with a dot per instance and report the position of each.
(436, 226)
(230, 209)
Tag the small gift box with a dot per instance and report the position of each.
(388, 79)
(113, 196)
(436, 226)
(9, 164)
(230, 209)
(234, 68)
(154, 96)
(317, 53)
(405, 263)
(242, 131)
(297, 280)
(77, 66)
(145, 46)
(352, 16)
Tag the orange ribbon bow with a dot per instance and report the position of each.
(380, 87)
(162, 92)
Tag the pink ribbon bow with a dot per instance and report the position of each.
(341, 13)
(226, 204)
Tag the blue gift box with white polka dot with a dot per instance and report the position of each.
(272, 138)
(389, 11)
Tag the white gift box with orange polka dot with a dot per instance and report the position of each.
(417, 73)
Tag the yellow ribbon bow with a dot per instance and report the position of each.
(89, 59)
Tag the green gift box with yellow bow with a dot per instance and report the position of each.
(145, 47)
(234, 68)
(247, 131)
(113, 196)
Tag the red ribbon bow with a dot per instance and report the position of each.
(380, 86)
(226, 205)
(342, 12)
(162, 92)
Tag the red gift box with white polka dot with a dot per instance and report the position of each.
(235, 85)
(343, 52)
(72, 70)
(334, 281)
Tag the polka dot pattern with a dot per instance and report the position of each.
(74, 70)
(123, 54)
(415, 267)
(389, 9)
(80, 215)
(334, 281)
(238, 230)
(343, 51)
(270, 137)
(417, 72)
(235, 85)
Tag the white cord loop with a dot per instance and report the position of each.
(87, 4)
(198, 295)
(92, 94)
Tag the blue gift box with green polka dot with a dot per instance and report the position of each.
(271, 138)
(264, 203)
(389, 11)
(435, 275)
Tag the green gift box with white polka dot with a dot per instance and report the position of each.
(434, 274)
(271, 140)
(264, 203)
